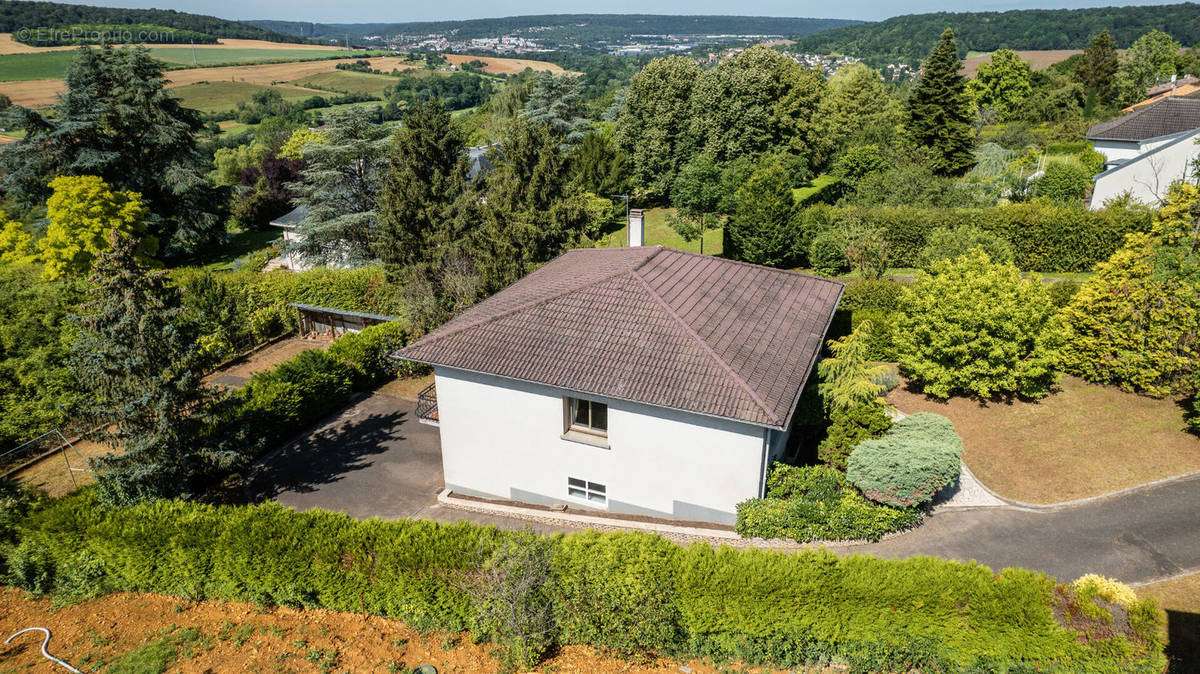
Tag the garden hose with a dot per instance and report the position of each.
(44, 642)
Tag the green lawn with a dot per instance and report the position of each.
(214, 96)
(347, 81)
(817, 184)
(40, 66)
(659, 233)
(221, 258)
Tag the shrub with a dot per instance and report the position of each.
(847, 429)
(951, 242)
(1136, 322)
(919, 455)
(367, 353)
(878, 294)
(858, 162)
(848, 378)
(817, 503)
(1062, 292)
(767, 608)
(977, 327)
(1064, 182)
(1015, 136)
(763, 228)
(827, 254)
(512, 593)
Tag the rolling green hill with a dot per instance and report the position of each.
(566, 29)
(15, 16)
(909, 38)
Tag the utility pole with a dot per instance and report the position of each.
(626, 198)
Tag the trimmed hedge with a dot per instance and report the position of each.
(916, 457)
(634, 592)
(1044, 238)
(275, 403)
(812, 503)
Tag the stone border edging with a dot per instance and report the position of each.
(1063, 505)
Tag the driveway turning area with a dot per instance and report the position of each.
(374, 459)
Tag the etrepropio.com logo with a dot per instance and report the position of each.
(81, 34)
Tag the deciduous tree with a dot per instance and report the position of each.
(84, 214)
(1001, 84)
(652, 127)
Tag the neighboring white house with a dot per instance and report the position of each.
(1146, 150)
(640, 380)
(478, 166)
(288, 222)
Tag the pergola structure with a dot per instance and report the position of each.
(327, 323)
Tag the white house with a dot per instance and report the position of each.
(288, 222)
(1147, 150)
(640, 380)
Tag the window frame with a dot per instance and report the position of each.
(587, 491)
(570, 405)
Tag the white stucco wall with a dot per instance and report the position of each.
(503, 438)
(1119, 151)
(1149, 175)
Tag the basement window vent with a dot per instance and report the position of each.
(588, 491)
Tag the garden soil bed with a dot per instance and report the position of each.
(158, 633)
(1083, 440)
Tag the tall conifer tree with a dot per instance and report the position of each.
(939, 111)
(1099, 67)
(138, 360)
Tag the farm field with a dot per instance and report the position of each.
(505, 66)
(214, 96)
(347, 81)
(213, 54)
(23, 67)
(1040, 59)
(38, 92)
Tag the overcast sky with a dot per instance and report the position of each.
(358, 11)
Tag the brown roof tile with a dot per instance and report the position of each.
(1168, 116)
(652, 325)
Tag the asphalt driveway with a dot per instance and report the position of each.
(372, 460)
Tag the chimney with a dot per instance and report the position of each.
(636, 230)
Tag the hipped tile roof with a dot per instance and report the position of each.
(652, 325)
(1168, 116)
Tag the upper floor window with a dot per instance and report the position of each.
(587, 416)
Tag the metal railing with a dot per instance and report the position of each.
(427, 409)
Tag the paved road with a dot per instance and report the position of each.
(1136, 537)
(376, 460)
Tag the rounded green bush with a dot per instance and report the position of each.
(827, 254)
(919, 455)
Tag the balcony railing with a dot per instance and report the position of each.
(427, 410)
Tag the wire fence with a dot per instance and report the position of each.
(41, 448)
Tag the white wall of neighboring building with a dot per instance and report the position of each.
(1149, 175)
(1120, 151)
(503, 438)
(295, 261)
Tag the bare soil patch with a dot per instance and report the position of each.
(1084, 440)
(213, 636)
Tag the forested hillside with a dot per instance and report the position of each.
(907, 38)
(15, 16)
(564, 28)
